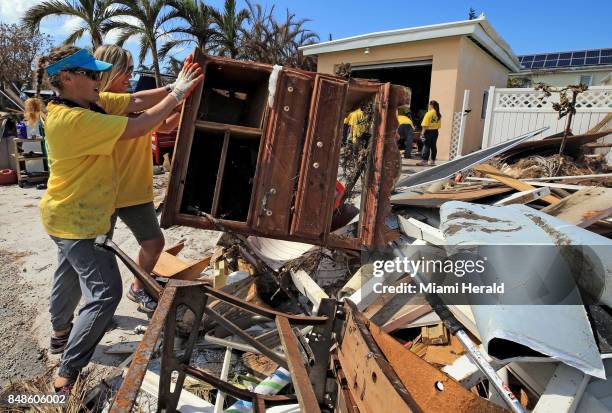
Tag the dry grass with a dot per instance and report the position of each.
(42, 386)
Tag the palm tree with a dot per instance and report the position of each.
(229, 29)
(270, 41)
(148, 27)
(198, 28)
(94, 13)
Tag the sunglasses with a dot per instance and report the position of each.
(88, 73)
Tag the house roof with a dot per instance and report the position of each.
(478, 30)
(572, 60)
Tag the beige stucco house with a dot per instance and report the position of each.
(438, 62)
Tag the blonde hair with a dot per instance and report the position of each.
(33, 111)
(118, 57)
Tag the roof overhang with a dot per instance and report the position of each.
(478, 30)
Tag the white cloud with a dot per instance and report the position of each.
(12, 11)
(111, 37)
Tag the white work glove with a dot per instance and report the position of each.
(184, 81)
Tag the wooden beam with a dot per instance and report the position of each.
(534, 183)
(524, 197)
(496, 174)
(310, 289)
(600, 124)
(584, 207)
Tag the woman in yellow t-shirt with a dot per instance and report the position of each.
(134, 163)
(431, 123)
(81, 194)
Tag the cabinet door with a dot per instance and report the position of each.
(279, 155)
(316, 187)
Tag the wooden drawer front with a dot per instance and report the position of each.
(279, 154)
(315, 196)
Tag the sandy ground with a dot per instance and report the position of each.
(27, 263)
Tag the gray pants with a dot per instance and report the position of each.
(93, 273)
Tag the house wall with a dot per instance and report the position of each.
(444, 54)
(562, 79)
(477, 71)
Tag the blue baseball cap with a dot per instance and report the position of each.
(81, 59)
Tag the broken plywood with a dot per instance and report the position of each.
(492, 172)
(584, 207)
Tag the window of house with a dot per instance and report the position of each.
(485, 98)
(586, 80)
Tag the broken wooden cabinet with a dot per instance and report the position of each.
(266, 164)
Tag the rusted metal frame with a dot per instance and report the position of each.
(126, 396)
(220, 172)
(362, 325)
(299, 375)
(234, 329)
(151, 286)
(234, 391)
(184, 139)
(259, 405)
(343, 386)
(193, 297)
(245, 305)
(320, 342)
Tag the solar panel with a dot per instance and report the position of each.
(567, 59)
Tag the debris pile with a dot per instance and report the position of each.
(299, 310)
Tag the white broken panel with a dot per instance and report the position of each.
(563, 392)
(560, 331)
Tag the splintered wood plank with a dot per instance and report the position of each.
(420, 378)
(524, 197)
(381, 372)
(436, 199)
(584, 207)
(492, 172)
(171, 266)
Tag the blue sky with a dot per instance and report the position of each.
(528, 26)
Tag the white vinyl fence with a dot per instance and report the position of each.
(514, 111)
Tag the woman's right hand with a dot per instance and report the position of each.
(189, 77)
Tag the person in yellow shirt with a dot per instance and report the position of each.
(358, 125)
(430, 124)
(134, 162)
(405, 130)
(81, 194)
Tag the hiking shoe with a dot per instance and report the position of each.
(145, 302)
(58, 344)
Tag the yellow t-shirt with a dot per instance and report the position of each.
(431, 120)
(404, 120)
(356, 119)
(81, 190)
(133, 160)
